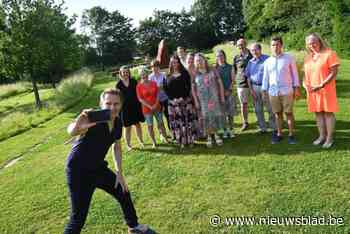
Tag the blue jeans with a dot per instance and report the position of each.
(82, 184)
(259, 104)
(157, 115)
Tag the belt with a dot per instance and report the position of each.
(255, 83)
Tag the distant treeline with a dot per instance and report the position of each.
(37, 42)
(294, 19)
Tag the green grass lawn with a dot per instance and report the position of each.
(18, 113)
(178, 191)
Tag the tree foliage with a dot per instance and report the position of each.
(40, 44)
(112, 37)
(294, 19)
(224, 18)
(174, 27)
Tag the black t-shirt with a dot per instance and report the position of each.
(177, 87)
(89, 151)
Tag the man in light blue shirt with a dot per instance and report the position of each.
(255, 72)
(281, 82)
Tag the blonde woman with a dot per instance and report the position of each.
(321, 67)
(131, 113)
(208, 92)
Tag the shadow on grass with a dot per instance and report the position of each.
(254, 144)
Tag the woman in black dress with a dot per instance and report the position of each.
(131, 113)
(182, 115)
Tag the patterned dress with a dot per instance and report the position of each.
(182, 115)
(207, 89)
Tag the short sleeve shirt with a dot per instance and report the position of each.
(240, 62)
(160, 81)
(225, 72)
(316, 72)
(148, 92)
(90, 150)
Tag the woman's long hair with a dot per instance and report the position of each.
(171, 66)
(220, 51)
(124, 68)
(323, 44)
(207, 68)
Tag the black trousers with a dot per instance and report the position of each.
(164, 105)
(82, 185)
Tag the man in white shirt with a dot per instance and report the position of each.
(281, 83)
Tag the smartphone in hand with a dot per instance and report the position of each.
(99, 115)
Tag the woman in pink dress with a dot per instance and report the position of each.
(321, 67)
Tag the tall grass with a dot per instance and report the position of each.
(69, 92)
(9, 90)
(74, 88)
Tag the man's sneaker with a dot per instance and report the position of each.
(139, 229)
(226, 134)
(276, 139)
(218, 140)
(262, 131)
(291, 140)
(230, 134)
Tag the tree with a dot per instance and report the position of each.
(294, 19)
(340, 11)
(175, 28)
(224, 18)
(40, 40)
(95, 20)
(111, 35)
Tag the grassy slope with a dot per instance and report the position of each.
(18, 114)
(177, 192)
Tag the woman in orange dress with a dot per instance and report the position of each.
(321, 67)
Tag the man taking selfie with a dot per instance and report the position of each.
(87, 170)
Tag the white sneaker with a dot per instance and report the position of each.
(218, 140)
(226, 134)
(163, 139)
(139, 229)
(318, 141)
(230, 134)
(327, 145)
(209, 142)
(128, 148)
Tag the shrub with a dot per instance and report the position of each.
(74, 87)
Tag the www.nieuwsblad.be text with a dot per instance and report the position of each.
(217, 220)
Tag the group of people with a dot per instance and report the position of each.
(197, 101)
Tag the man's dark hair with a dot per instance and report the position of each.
(277, 38)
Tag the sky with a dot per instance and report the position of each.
(135, 9)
